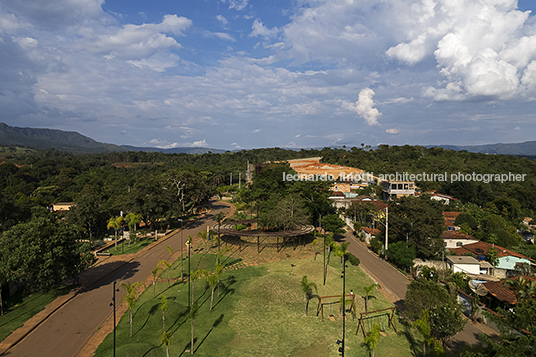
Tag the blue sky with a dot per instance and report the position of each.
(235, 74)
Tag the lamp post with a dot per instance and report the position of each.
(189, 272)
(113, 305)
(182, 258)
(341, 349)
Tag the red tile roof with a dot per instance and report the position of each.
(450, 218)
(455, 235)
(481, 248)
(372, 231)
(504, 292)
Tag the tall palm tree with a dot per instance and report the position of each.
(170, 252)
(132, 220)
(115, 223)
(307, 289)
(218, 271)
(130, 298)
(196, 275)
(155, 275)
(164, 308)
(166, 340)
(368, 291)
(164, 264)
(212, 280)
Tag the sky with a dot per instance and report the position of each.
(242, 74)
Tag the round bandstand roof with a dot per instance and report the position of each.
(226, 228)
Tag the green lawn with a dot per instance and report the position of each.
(260, 312)
(124, 248)
(17, 310)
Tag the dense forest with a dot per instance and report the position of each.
(160, 187)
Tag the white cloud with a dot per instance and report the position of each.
(221, 35)
(392, 131)
(365, 107)
(222, 19)
(258, 29)
(482, 48)
(256, 131)
(236, 4)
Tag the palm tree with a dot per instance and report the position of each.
(315, 242)
(170, 252)
(196, 275)
(372, 339)
(368, 291)
(115, 223)
(523, 288)
(217, 272)
(212, 281)
(164, 308)
(166, 340)
(155, 275)
(167, 265)
(193, 312)
(307, 289)
(423, 326)
(132, 220)
(203, 235)
(130, 298)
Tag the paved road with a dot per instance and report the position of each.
(68, 330)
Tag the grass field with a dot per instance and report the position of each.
(17, 310)
(260, 312)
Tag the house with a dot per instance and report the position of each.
(61, 206)
(504, 293)
(464, 264)
(446, 199)
(397, 189)
(369, 233)
(509, 263)
(454, 239)
(450, 218)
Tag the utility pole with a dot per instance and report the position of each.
(239, 179)
(386, 229)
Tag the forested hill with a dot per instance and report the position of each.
(39, 139)
(528, 148)
(73, 142)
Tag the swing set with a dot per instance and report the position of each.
(331, 304)
(378, 317)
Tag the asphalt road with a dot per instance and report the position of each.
(68, 330)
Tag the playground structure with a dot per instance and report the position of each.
(377, 317)
(248, 235)
(331, 304)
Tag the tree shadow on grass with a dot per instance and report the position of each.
(215, 324)
(407, 332)
(227, 289)
(189, 344)
(152, 311)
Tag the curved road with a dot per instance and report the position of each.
(68, 331)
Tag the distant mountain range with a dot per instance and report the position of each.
(76, 143)
(70, 141)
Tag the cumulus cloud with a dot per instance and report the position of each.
(258, 29)
(236, 4)
(200, 143)
(365, 107)
(392, 131)
(482, 48)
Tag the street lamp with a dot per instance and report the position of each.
(182, 258)
(189, 272)
(113, 305)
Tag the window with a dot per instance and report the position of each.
(459, 244)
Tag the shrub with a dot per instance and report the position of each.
(352, 259)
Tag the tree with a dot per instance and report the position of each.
(424, 294)
(164, 264)
(446, 320)
(164, 308)
(307, 289)
(423, 326)
(43, 252)
(115, 223)
(132, 220)
(155, 275)
(194, 276)
(333, 223)
(165, 339)
(368, 290)
(130, 298)
(401, 254)
(204, 236)
(212, 280)
(372, 339)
